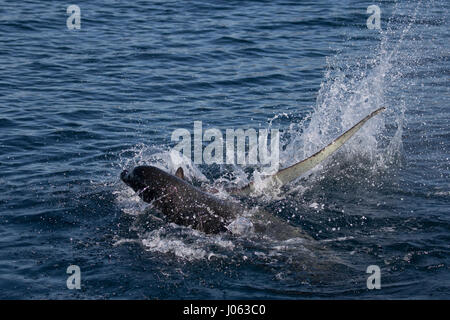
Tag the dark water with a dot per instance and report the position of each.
(79, 106)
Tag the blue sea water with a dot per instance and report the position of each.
(79, 106)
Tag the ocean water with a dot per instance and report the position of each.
(79, 106)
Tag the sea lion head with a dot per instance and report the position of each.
(148, 181)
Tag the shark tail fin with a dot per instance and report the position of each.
(293, 172)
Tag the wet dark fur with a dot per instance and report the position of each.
(181, 202)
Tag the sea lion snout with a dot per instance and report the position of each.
(147, 181)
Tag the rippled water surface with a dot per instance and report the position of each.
(79, 106)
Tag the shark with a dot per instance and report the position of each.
(184, 204)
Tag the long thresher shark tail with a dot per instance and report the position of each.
(294, 171)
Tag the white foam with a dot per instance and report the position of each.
(193, 245)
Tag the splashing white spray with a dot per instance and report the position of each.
(354, 88)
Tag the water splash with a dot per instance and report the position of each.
(354, 88)
(351, 89)
(161, 157)
(193, 246)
